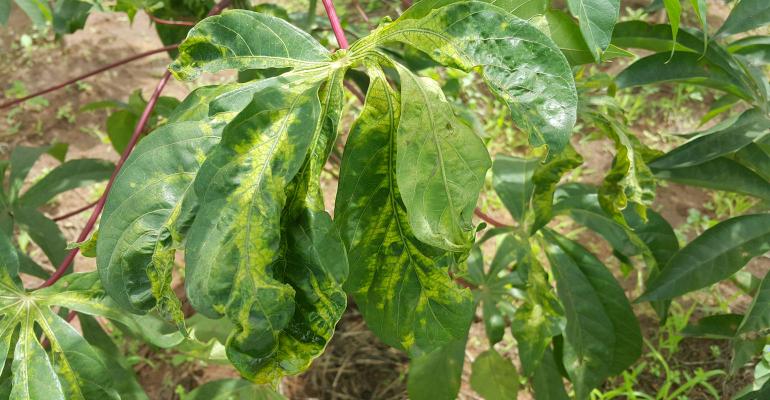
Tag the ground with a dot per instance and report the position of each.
(356, 365)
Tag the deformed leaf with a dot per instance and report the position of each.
(520, 63)
(238, 261)
(405, 295)
(440, 165)
(242, 39)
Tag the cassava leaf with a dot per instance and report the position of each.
(236, 255)
(512, 179)
(546, 177)
(241, 39)
(38, 11)
(720, 173)
(521, 65)
(602, 335)
(144, 219)
(629, 179)
(440, 165)
(751, 126)
(405, 295)
(438, 374)
(685, 67)
(757, 318)
(597, 20)
(746, 15)
(71, 369)
(494, 377)
(67, 176)
(714, 255)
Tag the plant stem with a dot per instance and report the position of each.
(491, 221)
(62, 269)
(336, 26)
(219, 7)
(310, 13)
(87, 75)
(162, 21)
(75, 212)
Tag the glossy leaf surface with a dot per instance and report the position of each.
(523, 66)
(714, 255)
(406, 296)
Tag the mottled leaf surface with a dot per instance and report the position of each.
(242, 39)
(440, 165)
(407, 298)
(522, 65)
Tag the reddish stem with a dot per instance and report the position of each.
(339, 33)
(103, 199)
(491, 221)
(219, 7)
(75, 212)
(162, 21)
(87, 75)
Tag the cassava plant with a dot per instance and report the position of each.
(231, 180)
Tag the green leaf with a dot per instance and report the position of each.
(519, 63)
(746, 15)
(714, 255)
(231, 389)
(22, 160)
(44, 232)
(72, 369)
(123, 377)
(721, 174)
(70, 15)
(751, 126)
(524, 9)
(5, 11)
(547, 380)
(546, 177)
(685, 67)
(720, 326)
(67, 176)
(538, 320)
(756, 49)
(757, 317)
(241, 39)
(565, 32)
(596, 308)
(702, 12)
(9, 260)
(494, 377)
(144, 220)
(440, 165)
(757, 158)
(512, 179)
(405, 294)
(120, 128)
(674, 13)
(581, 203)
(235, 253)
(38, 11)
(438, 374)
(597, 19)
